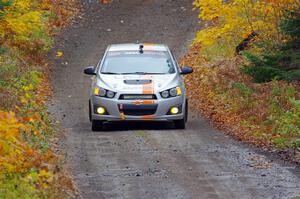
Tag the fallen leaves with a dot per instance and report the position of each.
(105, 1)
(59, 54)
(259, 162)
(232, 101)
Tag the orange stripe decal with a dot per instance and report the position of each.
(148, 46)
(148, 101)
(140, 102)
(148, 117)
(148, 88)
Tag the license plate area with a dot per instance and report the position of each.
(138, 110)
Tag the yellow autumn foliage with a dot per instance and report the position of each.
(227, 23)
(21, 21)
(12, 150)
(26, 34)
(23, 24)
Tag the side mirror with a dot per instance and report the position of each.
(186, 70)
(89, 70)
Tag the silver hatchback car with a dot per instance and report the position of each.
(137, 82)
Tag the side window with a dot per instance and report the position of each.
(100, 61)
(98, 65)
(176, 63)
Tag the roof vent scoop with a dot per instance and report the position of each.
(138, 81)
(141, 48)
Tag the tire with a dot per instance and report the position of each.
(186, 111)
(90, 111)
(97, 125)
(180, 124)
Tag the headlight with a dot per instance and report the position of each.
(110, 94)
(173, 92)
(165, 94)
(104, 93)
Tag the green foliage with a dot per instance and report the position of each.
(296, 144)
(269, 67)
(2, 50)
(15, 186)
(244, 89)
(280, 142)
(3, 4)
(282, 62)
(290, 24)
(284, 115)
(289, 121)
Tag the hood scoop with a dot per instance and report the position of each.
(138, 81)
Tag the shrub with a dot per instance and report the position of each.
(281, 62)
(227, 23)
(284, 114)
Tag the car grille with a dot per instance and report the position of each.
(138, 110)
(137, 97)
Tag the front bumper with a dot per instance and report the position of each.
(114, 113)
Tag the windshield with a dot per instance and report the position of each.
(134, 62)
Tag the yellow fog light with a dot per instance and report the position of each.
(101, 110)
(97, 91)
(178, 89)
(174, 110)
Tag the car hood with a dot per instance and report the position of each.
(137, 83)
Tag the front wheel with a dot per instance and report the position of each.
(97, 125)
(180, 124)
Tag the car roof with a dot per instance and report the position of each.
(136, 46)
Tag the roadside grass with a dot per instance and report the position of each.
(28, 166)
(266, 115)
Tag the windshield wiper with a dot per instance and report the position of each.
(138, 73)
(110, 73)
(141, 73)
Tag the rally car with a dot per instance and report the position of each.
(137, 82)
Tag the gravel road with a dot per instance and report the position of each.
(150, 160)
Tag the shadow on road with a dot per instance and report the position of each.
(146, 125)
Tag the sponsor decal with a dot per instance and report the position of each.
(140, 102)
